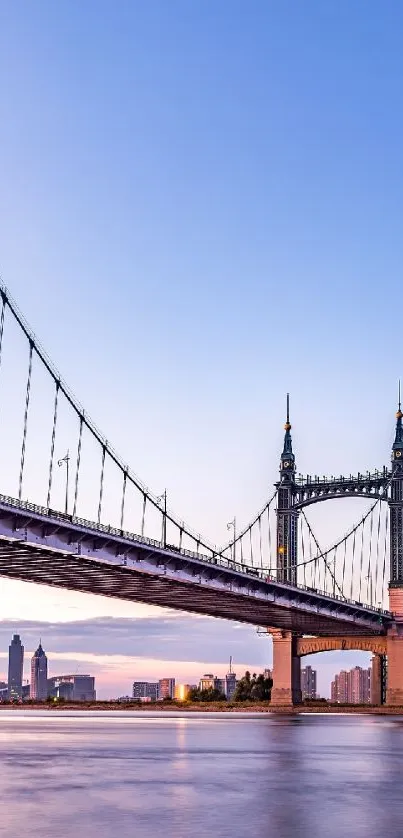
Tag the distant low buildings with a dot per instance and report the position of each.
(226, 686)
(308, 683)
(145, 691)
(212, 682)
(353, 687)
(39, 675)
(72, 687)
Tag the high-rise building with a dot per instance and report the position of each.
(39, 675)
(15, 667)
(166, 688)
(360, 685)
(145, 691)
(308, 683)
(72, 687)
(353, 687)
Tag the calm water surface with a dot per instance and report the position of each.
(119, 775)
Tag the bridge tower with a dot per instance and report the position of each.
(287, 515)
(395, 635)
(286, 663)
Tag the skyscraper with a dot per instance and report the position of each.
(15, 666)
(39, 675)
(308, 683)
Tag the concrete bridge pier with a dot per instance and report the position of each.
(394, 644)
(376, 680)
(286, 691)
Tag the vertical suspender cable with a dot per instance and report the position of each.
(251, 548)
(260, 541)
(80, 436)
(52, 444)
(384, 554)
(377, 553)
(24, 435)
(334, 571)
(101, 485)
(269, 538)
(361, 560)
(315, 561)
(352, 565)
(369, 580)
(144, 513)
(344, 564)
(3, 310)
(122, 508)
(303, 550)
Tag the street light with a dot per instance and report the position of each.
(369, 577)
(163, 497)
(66, 459)
(232, 525)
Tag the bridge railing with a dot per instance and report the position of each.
(368, 477)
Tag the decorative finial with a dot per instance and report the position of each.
(399, 414)
(287, 425)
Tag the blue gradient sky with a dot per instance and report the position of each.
(201, 207)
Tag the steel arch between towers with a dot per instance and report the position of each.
(337, 495)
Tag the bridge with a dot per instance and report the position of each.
(272, 573)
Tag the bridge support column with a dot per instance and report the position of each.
(286, 689)
(376, 680)
(394, 643)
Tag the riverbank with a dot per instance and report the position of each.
(204, 707)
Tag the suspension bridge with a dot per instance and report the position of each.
(108, 534)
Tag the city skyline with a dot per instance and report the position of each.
(73, 647)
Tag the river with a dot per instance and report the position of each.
(115, 775)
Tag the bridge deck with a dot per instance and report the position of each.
(45, 547)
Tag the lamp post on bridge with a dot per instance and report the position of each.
(66, 459)
(163, 497)
(232, 526)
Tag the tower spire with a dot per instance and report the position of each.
(287, 449)
(287, 457)
(398, 443)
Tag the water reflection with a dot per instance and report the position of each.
(131, 775)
